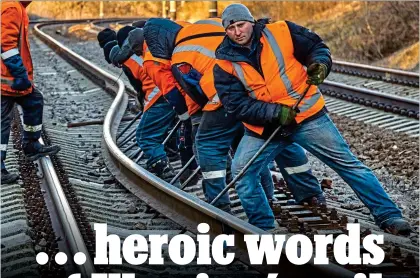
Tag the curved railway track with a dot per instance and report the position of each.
(182, 207)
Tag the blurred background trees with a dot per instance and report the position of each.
(382, 33)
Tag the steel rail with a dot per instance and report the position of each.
(410, 78)
(181, 207)
(392, 101)
(68, 222)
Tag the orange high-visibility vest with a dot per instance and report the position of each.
(284, 77)
(163, 78)
(151, 91)
(198, 50)
(14, 40)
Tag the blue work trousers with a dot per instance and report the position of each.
(152, 130)
(32, 107)
(321, 138)
(215, 135)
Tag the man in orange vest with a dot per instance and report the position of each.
(259, 76)
(158, 67)
(17, 86)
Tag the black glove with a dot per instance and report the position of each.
(176, 99)
(16, 68)
(21, 84)
(316, 73)
(285, 116)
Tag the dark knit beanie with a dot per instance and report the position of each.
(106, 36)
(123, 33)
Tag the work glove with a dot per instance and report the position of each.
(16, 68)
(113, 56)
(189, 80)
(177, 100)
(124, 53)
(285, 116)
(316, 73)
(21, 84)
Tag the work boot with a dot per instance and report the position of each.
(35, 150)
(229, 176)
(317, 200)
(163, 169)
(272, 201)
(225, 208)
(187, 174)
(172, 154)
(397, 226)
(8, 178)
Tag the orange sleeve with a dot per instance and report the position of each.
(161, 75)
(11, 19)
(207, 84)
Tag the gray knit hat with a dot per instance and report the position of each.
(234, 13)
(135, 40)
(125, 52)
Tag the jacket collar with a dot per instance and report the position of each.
(233, 52)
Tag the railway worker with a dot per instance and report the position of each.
(173, 100)
(192, 60)
(259, 75)
(17, 86)
(171, 147)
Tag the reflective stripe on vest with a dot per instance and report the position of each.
(280, 61)
(307, 103)
(3, 147)
(139, 60)
(241, 77)
(196, 48)
(151, 95)
(9, 53)
(6, 81)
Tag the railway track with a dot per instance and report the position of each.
(83, 168)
